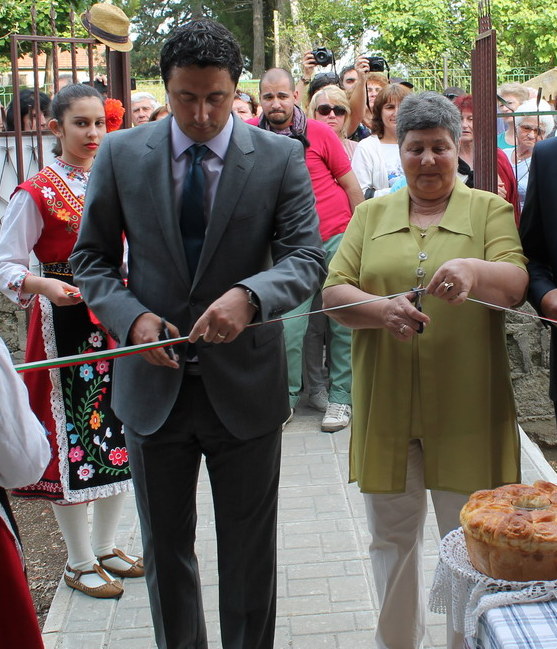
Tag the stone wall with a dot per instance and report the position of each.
(13, 328)
(528, 346)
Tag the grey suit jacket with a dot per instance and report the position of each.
(262, 233)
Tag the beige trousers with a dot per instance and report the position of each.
(396, 523)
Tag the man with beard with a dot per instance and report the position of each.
(337, 193)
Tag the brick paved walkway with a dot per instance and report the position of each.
(325, 591)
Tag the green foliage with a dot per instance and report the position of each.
(422, 33)
(526, 33)
(336, 24)
(418, 33)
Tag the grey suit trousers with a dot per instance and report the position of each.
(244, 480)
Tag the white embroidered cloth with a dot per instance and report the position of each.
(458, 586)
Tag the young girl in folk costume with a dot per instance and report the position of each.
(89, 458)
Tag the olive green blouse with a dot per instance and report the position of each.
(449, 386)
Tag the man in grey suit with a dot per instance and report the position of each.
(257, 256)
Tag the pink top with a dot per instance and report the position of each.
(326, 161)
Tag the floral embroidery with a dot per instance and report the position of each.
(17, 287)
(96, 420)
(118, 456)
(63, 214)
(96, 339)
(102, 367)
(102, 455)
(76, 454)
(60, 201)
(86, 372)
(48, 193)
(86, 471)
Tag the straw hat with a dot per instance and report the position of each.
(109, 25)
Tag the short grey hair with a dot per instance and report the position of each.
(426, 110)
(140, 96)
(531, 106)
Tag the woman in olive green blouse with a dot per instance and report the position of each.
(431, 410)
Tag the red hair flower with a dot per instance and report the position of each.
(114, 114)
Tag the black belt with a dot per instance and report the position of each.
(58, 268)
(192, 369)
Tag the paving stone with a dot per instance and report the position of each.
(323, 624)
(326, 597)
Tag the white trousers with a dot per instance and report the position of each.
(396, 523)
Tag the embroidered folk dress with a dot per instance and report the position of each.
(89, 456)
(449, 386)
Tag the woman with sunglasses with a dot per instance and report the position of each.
(244, 105)
(529, 130)
(331, 105)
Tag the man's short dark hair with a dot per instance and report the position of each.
(278, 73)
(345, 70)
(203, 43)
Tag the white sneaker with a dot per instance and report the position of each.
(337, 416)
(319, 400)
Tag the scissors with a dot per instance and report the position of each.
(417, 300)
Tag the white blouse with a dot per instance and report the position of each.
(22, 226)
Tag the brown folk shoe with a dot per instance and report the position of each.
(111, 589)
(136, 566)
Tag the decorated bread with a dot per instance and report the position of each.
(511, 531)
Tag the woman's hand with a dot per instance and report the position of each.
(453, 281)
(58, 292)
(401, 318)
(362, 66)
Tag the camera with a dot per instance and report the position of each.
(322, 56)
(377, 64)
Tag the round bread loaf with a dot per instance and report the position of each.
(511, 531)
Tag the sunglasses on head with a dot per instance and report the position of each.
(325, 109)
(243, 97)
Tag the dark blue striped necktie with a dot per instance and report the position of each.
(192, 217)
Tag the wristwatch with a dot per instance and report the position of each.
(252, 298)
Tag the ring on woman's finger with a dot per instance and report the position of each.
(402, 329)
(221, 336)
(448, 286)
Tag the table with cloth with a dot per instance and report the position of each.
(492, 613)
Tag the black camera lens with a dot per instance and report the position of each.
(376, 63)
(322, 56)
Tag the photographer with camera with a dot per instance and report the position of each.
(310, 83)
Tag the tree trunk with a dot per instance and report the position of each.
(258, 66)
(196, 9)
(302, 40)
(48, 76)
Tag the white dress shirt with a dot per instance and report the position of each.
(212, 163)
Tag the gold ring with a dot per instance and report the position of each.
(221, 336)
(402, 329)
(448, 286)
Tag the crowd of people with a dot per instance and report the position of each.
(219, 210)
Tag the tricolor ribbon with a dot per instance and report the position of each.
(78, 359)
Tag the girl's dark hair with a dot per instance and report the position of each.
(27, 103)
(62, 101)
